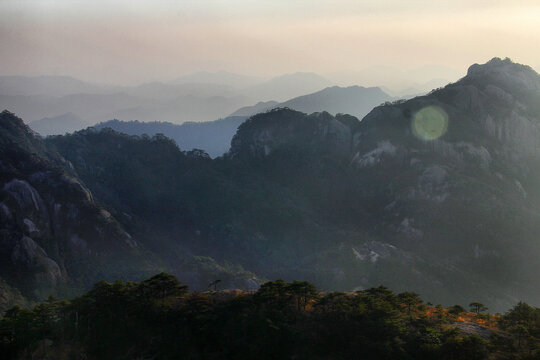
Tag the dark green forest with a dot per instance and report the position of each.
(159, 318)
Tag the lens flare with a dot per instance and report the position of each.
(430, 123)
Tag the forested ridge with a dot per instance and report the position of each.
(159, 318)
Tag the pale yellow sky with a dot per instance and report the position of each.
(136, 41)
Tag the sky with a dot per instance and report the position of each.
(128, 42)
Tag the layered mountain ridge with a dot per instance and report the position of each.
(215, 137)
(437, 194)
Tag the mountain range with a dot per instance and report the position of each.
(214, 137)
(58, 104)
(352, 100)
(48, 112)
(398, 82)
(47, 101)
(54, 86)
(437, 194)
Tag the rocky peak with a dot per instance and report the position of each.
(506, 72)
(10, 120)
(49, 219)
(18, 141)
(282, 128)
(15, 130)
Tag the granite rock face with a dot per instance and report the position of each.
(50, 223)
(464, 189)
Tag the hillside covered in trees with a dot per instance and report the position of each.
(159, 318)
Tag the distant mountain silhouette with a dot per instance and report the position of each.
(197, 97)
(54, 86)
(65, 123)
(214, 137)
(399, 82)
(201, 96)
(169, 91)
(94, 108)
(288, 86)
(218, 78)
(259, 107)
(353, 100)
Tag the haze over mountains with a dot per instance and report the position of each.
(51, 101)
(224, 78)
(214, 137)
(93, 108)
(54, 104)
(54, 86)
(352, 100)
(398, 82)
(436, 194)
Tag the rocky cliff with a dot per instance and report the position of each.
(453, 176)
(54, 234)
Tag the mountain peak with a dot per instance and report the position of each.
(285, 129)
(505, 71)
(13, 128)
(8, 116)
(497, 65)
